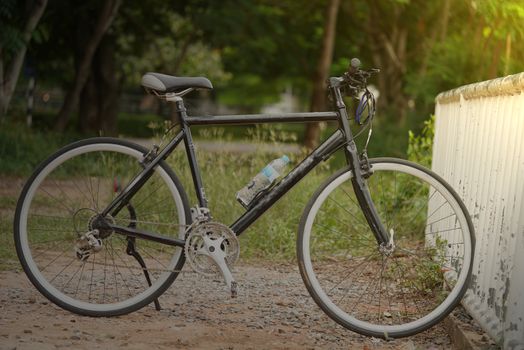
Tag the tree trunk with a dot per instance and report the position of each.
(389, 53)
(445, 19)
(88, 101)
(3, 106)
(318, 97)
(493, 67)
(99, 98)
(9, 77)
(88, 107)
(507, 59)
(443, 29)
(108, 87)
(106, 17)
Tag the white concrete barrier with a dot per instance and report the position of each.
(479, 149)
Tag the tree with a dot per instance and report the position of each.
(105, 18)
(16, 28)
(180, 50)
(318, 97)
(99, 99)
(266, 45)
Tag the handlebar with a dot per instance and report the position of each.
(355, 79)
(354, 83)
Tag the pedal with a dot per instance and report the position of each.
(234, 290)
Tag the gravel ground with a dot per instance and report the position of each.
(272, 311)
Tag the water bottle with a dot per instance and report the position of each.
(263, 180)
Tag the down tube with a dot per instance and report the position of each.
(333, 143)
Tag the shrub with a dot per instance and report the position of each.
(420, 146)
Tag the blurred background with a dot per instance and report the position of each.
(72, 69)
(75, 66)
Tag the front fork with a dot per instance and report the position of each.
(361, 170)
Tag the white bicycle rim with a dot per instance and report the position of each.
(24, 240)
(367, 326)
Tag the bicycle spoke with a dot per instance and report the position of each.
(445, 217)
(80, 278)
(72, 277)
(62, 217)
(347, 211)
(380, 284)
(401, 282)
(351, 272)
(352, 239)
(71, 211)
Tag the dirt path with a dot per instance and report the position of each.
(273, 311)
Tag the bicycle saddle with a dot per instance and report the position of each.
(168, 83)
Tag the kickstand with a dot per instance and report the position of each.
(132, 251)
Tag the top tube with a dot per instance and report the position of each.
(242, 119)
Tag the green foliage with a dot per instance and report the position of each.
(178, 51)
(480, 44)
(420, 146)
(271, 133)
(254, 49)
(11, 38)
(21, 149)
(266, 45)
(428, 271)
(273, 236)
(138, 125)
(8, 258)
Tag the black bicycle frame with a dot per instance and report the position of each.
(339, 139)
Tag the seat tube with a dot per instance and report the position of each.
(191, 155)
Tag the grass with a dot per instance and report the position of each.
(8, 259)
(273, 236)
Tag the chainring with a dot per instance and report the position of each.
(202, 263)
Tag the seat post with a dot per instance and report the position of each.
(180, 108)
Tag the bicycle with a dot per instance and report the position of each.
(385, 247)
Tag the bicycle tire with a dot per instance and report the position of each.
(366, 319)
(35, 188)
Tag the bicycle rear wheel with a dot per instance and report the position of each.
(112, 274)
(387, 293)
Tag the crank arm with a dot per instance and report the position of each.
(226, 273)
(212, 249)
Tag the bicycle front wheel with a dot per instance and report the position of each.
(97, 272)
(394, 291)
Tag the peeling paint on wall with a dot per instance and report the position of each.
(479, 149)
